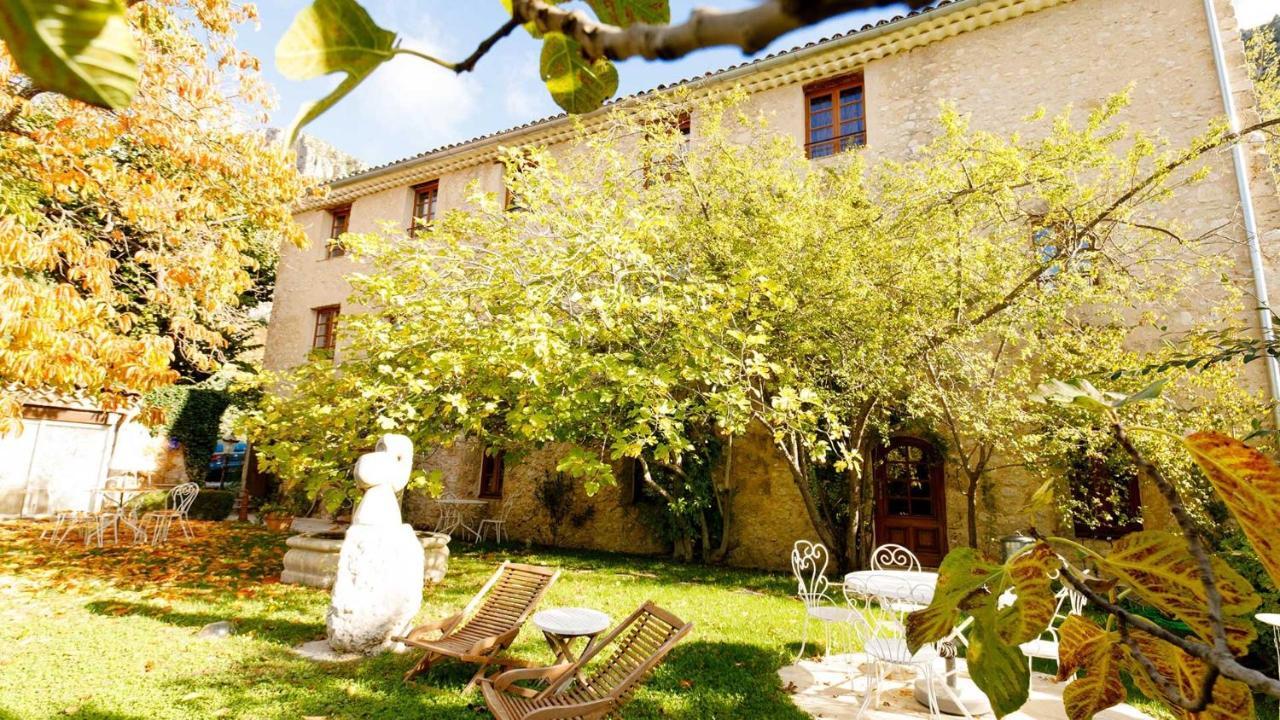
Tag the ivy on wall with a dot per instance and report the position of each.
(191, 416)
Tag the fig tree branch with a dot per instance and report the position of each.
(749, 29)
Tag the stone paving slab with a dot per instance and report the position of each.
(823, 690)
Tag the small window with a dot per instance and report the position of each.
(340, 219)
(425, 197)
(491, 472)
(524, 160)
(835, 116)
(1107, 500)
(664, 166)
(324, 337)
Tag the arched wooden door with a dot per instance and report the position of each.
(911, 498)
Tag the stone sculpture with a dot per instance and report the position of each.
(378, 587)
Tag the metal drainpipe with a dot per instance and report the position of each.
(1246, 204)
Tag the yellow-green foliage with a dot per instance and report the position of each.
(646, 291)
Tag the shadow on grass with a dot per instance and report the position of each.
(698, 681)
(267, 628)
(642, 568)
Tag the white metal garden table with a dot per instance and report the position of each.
(561, 626)
(914, 589)
(460, 509)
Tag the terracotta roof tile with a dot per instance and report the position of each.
(642, 93)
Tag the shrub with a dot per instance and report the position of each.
(213, 505)
(209, 504)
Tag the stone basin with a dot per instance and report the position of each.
(312, 558)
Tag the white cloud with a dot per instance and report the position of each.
(1252, 13)
(525, 97)
(410, 97)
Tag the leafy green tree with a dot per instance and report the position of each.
(650, 298)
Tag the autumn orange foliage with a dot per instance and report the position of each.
(128, 238)
(220, 558)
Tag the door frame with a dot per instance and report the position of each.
(938, 479)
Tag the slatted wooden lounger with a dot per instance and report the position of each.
(634, 648)
(489, 623)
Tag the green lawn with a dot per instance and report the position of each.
(110, 634)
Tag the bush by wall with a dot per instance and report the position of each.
(208, 505)
(191, 416)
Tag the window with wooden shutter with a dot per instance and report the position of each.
(491, 475)
(339, 221)
(835, 116)
(425, 197)
(324, 337)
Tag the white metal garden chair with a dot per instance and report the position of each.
(879, 625)
(1045, 647)
(450, 516)
(177, 505)
(499, 523)
(894, 557)
(809, 563)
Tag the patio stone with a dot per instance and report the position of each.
(822, 690)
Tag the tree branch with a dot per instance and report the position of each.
(1190, 534)
(750, 29)
(1225, 662)
(1172, 694)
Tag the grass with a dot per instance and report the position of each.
(109, 634)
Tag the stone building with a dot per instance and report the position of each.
(997, 60)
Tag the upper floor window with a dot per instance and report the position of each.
(425, 197)
(521, 160)
(324, 338)
(664, 167)
(835, 116)
(1105, 493)
(491, 475)
(340, 219)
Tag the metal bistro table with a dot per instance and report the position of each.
(120, 499)
(561, 626)
(459, 509)
(914, 589)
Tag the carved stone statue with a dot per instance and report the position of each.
(378, 588)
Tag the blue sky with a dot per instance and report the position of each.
(409, 105)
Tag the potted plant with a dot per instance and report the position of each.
(276, 515)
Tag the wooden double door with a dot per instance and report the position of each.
(910, 498)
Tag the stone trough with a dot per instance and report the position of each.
(312, 558)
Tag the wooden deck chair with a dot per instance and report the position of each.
(489, 623)
(634, 648)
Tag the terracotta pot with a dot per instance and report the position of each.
(277, 522)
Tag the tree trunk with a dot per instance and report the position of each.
(971, 507)
(724, 501)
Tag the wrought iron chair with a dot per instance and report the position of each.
(878, 619)
(499, 524)
(487, 626)
(177, 505)
(894, 557)
(448, 516)
(1045, 647)
(809, 562)
(635, 647)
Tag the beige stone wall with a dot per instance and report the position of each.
(1075, 53)
(601, 522)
